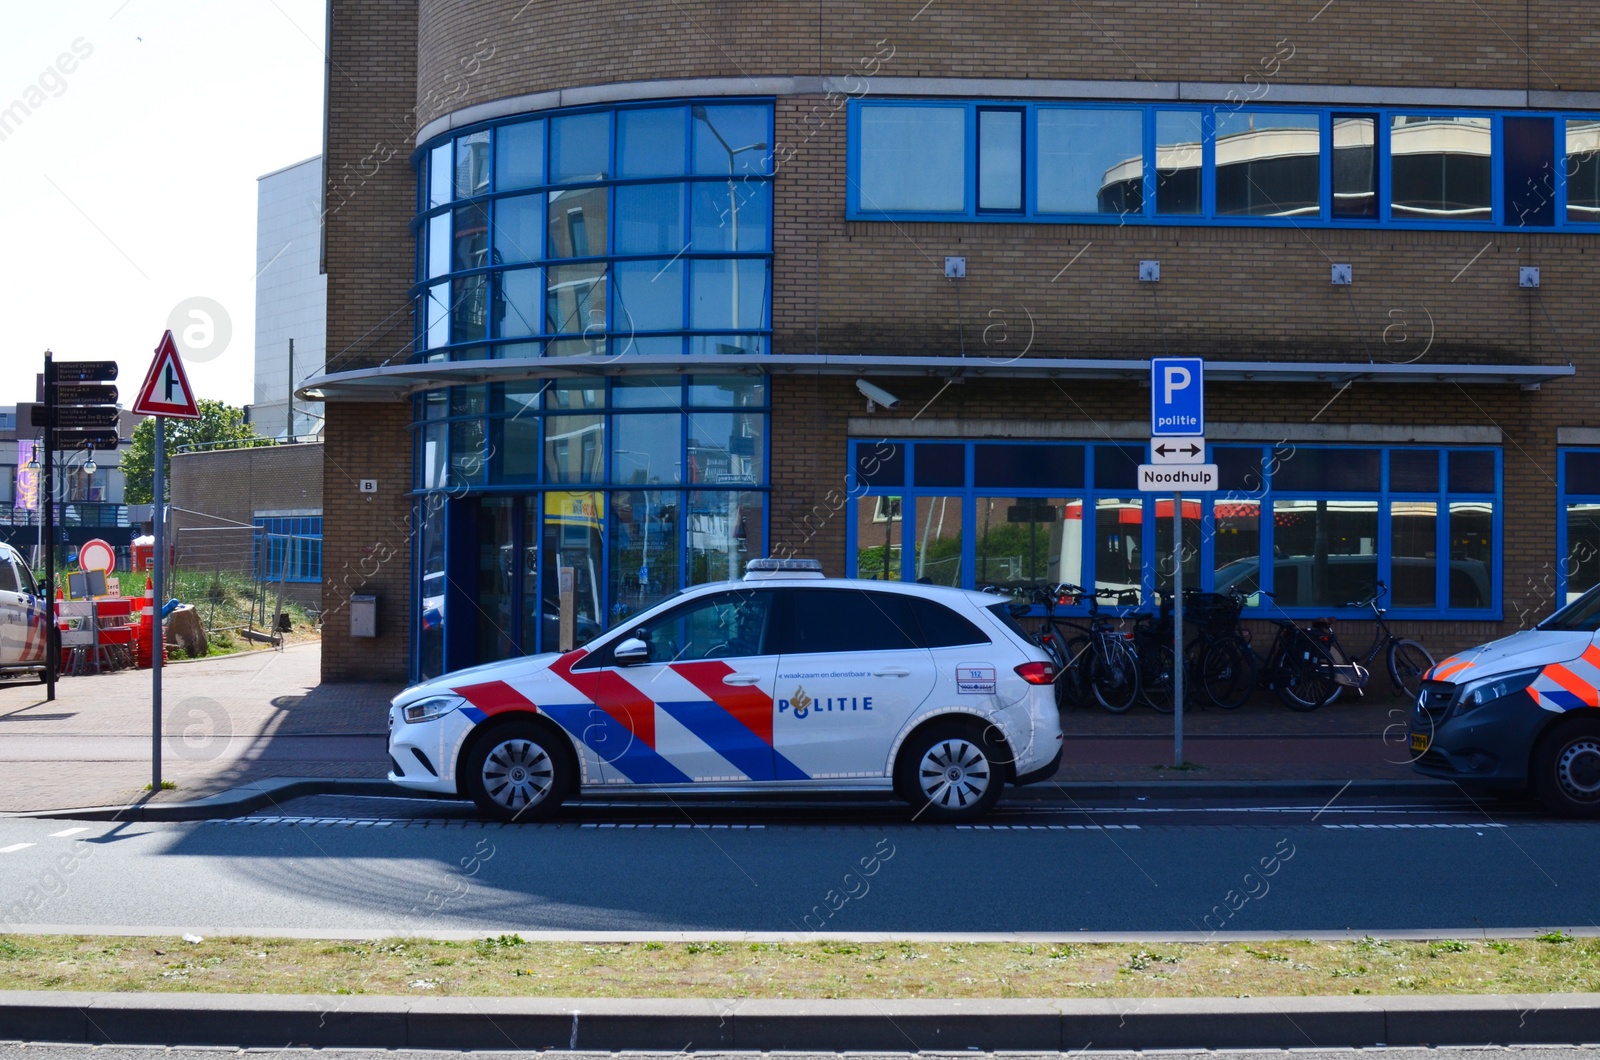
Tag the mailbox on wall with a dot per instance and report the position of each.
(363, 616)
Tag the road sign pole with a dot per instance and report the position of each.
(47, 504)
(158, 517)
(1177, 629)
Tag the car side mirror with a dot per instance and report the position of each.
(631, 652)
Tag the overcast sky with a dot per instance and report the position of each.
(128, 175)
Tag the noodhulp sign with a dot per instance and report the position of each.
(1177, 478)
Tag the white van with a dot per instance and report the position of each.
(22, 621)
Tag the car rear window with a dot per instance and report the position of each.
(1003, 613)
(942, 627)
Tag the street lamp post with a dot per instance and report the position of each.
(701, 115)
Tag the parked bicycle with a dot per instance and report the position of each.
(1152, 645)
(1102, 660)
(1220, 659)
(1405, 659)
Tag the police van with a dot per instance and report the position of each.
(22, 617)
(785, 682)
(1520, 712)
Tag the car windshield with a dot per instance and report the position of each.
(1580, 616)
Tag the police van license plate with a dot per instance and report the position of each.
(1419, 742)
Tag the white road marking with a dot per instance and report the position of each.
(14, 847)
(67, 832)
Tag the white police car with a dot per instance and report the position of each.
(787, 681)
(22, 625)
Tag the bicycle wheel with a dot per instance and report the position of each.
(1408, 661)
(1072, 687)
(1113, 673)
(1307, 677)
(1156, 676)
(1227, 672)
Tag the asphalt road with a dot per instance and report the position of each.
(393, 866)
(18, 1051)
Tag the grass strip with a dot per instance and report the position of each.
(508, 966)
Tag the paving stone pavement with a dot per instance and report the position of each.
(264, 713)
(225, 721)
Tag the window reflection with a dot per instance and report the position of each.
(519, 229)
(936, 552)
(726, 530)
(650, 142)
(1027, 542)
(726, 448)
(578, 223)
(472, 165)
(1119, 544)
(1178, 159)
(644, 548)
(573, 525)
(1355, 165)
(1269, 164)
(1413, 553)
(1583, 169)
(1439, 168)
(574, 449)
(999, 159)
(519, 156)
(1236, 545)
(1191, 540)
(575, 302)
(647, 448)
(521, 292)
(1582, 562)
(878, 538)
(579, 147)
(649, 296)
(650, 219)
(1326, 552)
(1471, 553)
(1090, 161)
(912, 158)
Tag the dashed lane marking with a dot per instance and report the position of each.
(1435, 825)
(14, 847)
(66, 832)
(369, 822)
(1048, 828)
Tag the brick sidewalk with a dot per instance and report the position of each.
(225, 720)
(220, 720)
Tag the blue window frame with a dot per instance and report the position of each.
(598, 232)
(1236, 163)
(1334, 519)
(289, 548)
(1577, 528)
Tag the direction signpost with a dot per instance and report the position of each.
(1178, 452)
(166, 392)
(75, 397)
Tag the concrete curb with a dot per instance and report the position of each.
(248, 798)
(234, 802)
(697, 1025)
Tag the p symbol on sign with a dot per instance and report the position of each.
(1176, 378)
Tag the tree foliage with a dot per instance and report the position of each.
(220, 426)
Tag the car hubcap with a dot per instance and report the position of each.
(518, 774)
(1579, 770)
(954, 773)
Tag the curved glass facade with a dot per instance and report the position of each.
(597, 234)
(644, 229)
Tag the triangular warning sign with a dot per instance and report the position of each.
(166, 390)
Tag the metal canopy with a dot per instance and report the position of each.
(394, 382)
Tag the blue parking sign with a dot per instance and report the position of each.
(1177, 396)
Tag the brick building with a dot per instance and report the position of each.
(603, 279)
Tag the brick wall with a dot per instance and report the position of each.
(854, 287)
(370, 197)
(214, 492)
(490, 49)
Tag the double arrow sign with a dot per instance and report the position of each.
(1162, 450)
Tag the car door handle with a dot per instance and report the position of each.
(742, 679)
(891, 673)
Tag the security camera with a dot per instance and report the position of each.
(876, 395)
